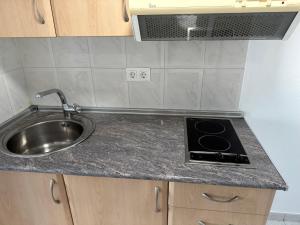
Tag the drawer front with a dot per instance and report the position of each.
(182, 216)
(221, 198)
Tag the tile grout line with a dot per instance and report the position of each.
(164, 76)
(20, 52)
(201, 89)
(243, 77)
(127, 83)
(171, 68)
(12, 106)
(203, 74)
(57, 83)
(92, 72)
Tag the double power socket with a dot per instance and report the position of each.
(138, 74)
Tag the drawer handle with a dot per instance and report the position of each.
(211, 198)
(200, 222)
(52, 183)
(157, 191)
(37, 15)
(125, 13)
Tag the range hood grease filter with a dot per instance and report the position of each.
(228, 26)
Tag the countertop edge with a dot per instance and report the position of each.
(156, 178)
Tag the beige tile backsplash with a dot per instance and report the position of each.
(91, 71)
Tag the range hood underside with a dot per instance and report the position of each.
(219, 26)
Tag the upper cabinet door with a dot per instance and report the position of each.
(33, 199)
(111, 201)
(91, 17)
(26, 18)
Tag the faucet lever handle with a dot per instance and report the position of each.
(77, 108)
(74, 108)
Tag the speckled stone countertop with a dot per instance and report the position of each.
(147, 147)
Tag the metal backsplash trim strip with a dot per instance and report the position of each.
(179, 112)
(19, 115)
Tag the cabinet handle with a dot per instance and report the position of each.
(200, 222)
(157, 191)
(52, 183)
(125, 13)
(211, 198)
(37, 15)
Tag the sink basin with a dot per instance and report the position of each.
(46, 136)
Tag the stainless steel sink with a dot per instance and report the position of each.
(47, 135)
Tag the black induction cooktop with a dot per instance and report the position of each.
(213, 140)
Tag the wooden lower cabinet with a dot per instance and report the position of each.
(26, 199)
(201, 204)
(217, 198)
(110, 201)
(183, 216)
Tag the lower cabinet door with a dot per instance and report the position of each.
(111, 201)
(183, 216)
(33, 199)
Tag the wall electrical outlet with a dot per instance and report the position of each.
(138, 74)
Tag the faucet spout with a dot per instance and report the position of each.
(66, 107)
(60, 94)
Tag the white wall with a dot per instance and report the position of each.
(271, 100)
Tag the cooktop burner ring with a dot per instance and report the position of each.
(214, 143)
(210, 127)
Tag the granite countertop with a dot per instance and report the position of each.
(148, 147)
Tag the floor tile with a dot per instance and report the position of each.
(275, 222)
(291, 223)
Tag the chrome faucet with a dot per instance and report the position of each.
(68, 109)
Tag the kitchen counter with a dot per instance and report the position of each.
(147, 147)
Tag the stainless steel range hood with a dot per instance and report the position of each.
(156, 20)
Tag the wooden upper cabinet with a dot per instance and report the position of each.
(110, 201)
(26, 18)
(26, 199)
(91, 17)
